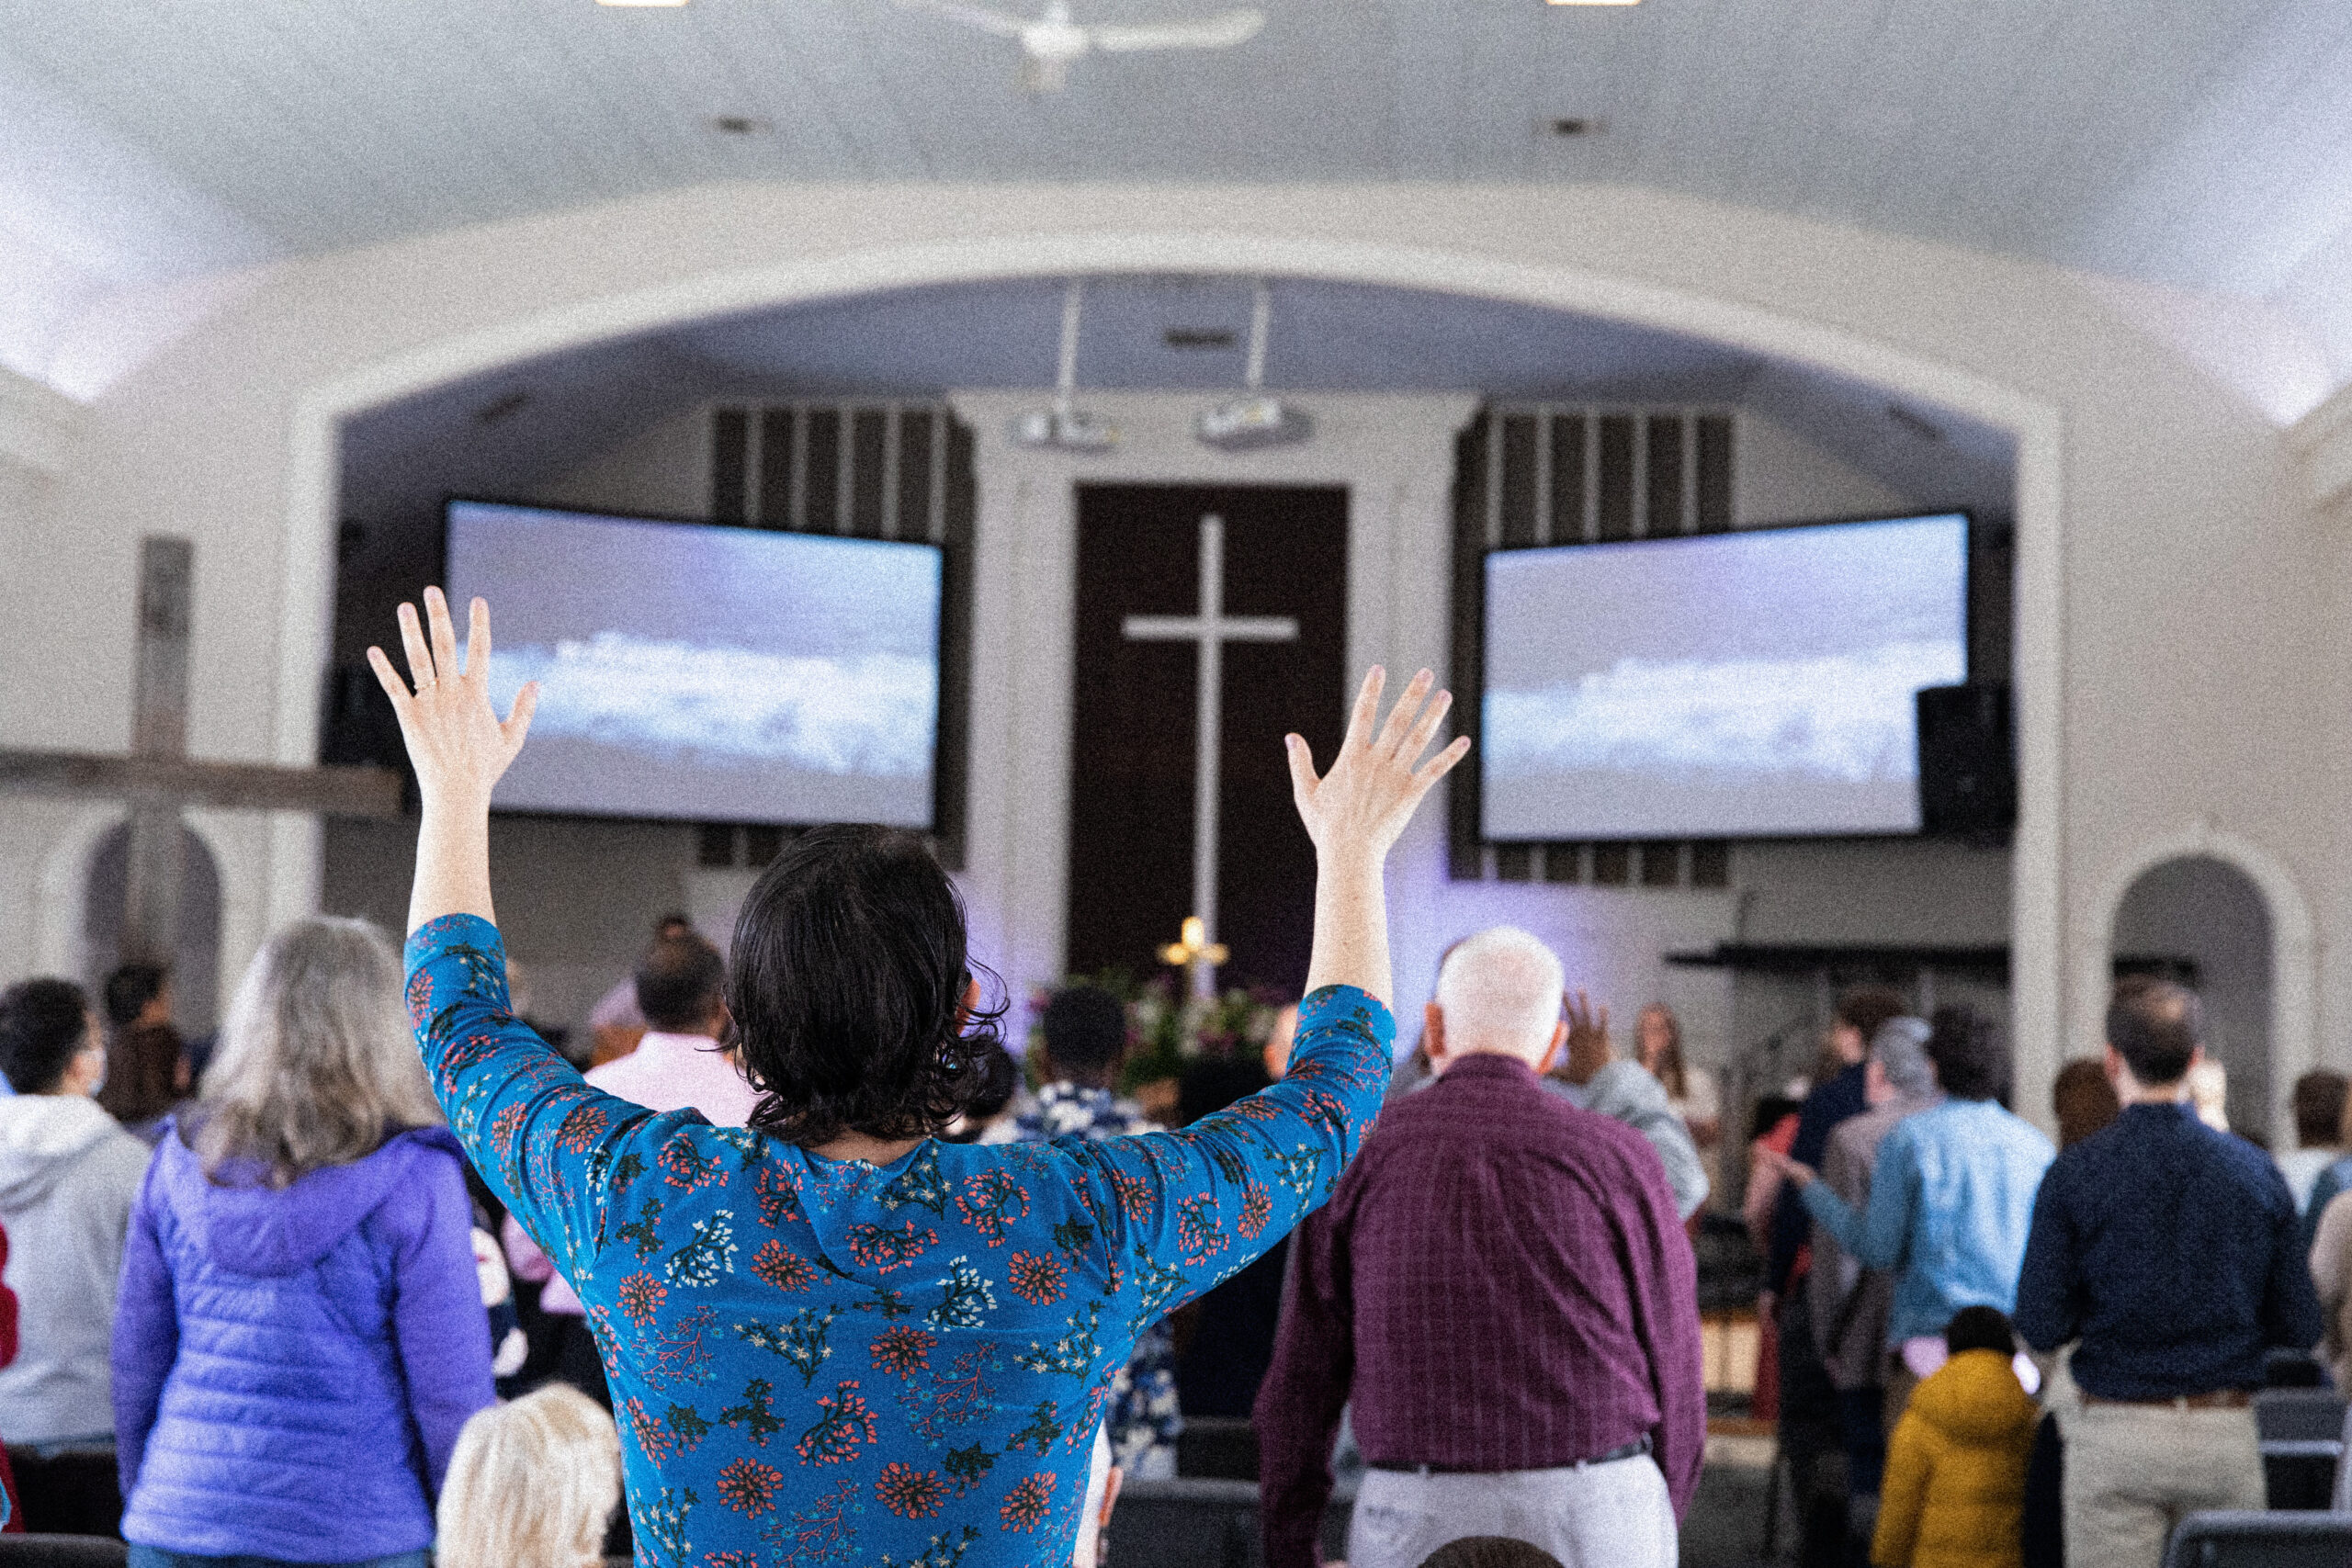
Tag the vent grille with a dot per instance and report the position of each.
(1530, 475)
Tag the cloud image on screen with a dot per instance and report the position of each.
(705, 672)
(1728, 685)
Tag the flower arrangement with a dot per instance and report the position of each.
(1167, 1029)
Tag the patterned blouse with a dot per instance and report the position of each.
(1143, 1415)
(819, 1362)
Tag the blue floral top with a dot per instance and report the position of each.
(1143, 1416)
(820, 1362)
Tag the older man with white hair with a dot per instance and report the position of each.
(1501, 1285)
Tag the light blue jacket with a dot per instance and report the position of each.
(1952, 1201)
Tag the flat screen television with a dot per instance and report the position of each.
(705, 673)
(1751, 685)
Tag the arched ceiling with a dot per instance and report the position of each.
(536, 420)
(2198, 144)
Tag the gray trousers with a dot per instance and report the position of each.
(1588, 1516)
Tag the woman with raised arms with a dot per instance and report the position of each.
(832, 1338)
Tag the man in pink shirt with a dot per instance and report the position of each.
(678, 1066)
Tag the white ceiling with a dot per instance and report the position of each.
(401, 459)
(2007, 124)
(2200, 143)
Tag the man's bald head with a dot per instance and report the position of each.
(2156, 1027)
(1498, 994)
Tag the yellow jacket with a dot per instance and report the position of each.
(1955, 1469)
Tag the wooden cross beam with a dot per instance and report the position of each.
(158, 778)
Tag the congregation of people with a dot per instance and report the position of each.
(805, 1268)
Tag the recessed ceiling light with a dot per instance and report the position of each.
(1575, 125)
(737, 125)
(1198, 337)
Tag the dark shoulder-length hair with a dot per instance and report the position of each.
(846, 989)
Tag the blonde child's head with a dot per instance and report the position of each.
(531, 1485)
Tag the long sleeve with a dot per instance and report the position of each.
(440, 1326)
(1902, 1495)
(2331, 1260)
(2290, 1314)
(538, 1134)
(146, 1336)
(1217, 1194)
(2324, 1186)
(1626, 1091)
(1297, 1412)
(2050, 1284)
(1877, 1237)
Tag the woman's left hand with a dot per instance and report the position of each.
(457, 743)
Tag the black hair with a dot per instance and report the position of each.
(1980, 1329)
(847, 990)
(1867, 1007)
(1086, 1029)
(680, 982)
(129, 988)
(43, 1024)
(2155, 1026)
(1000, 1077)
(1971, 1061)
(1489, 1551)
(2319, 1108)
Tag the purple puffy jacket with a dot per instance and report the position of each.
(291, 1366)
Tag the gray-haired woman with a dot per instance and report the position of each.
(300, 1335)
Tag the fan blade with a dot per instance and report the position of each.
(978, 16)
(1039, 75)
(1209, 32)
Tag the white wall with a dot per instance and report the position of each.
(2176, 653)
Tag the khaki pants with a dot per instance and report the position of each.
(1588, 1516)
(2134, 1472)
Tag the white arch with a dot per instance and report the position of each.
(2037, 916)
(2294, 949)
(63, 888)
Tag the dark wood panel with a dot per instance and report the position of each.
(1662, 477)
(823, 472)
(1614, 519)
(869, 441)
(1568, 437)
(1133, 716)
(776, 468)
(729, 458)
(1519, 481)
(1465, 857)
(1712, 512)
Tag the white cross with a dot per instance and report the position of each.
(1210, 631)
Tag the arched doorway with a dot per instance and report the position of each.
(196, 967)
(2200, 919)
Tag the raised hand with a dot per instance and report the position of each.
(1589, 1050)
(460, 748)
(1355, 813)
(1363, 803)
(457, 743)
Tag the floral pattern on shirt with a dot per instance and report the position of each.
(819, 1362)
(1143, 1417)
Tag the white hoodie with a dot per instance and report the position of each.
(68, 1173)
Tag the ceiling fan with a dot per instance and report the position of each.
(1051, 43)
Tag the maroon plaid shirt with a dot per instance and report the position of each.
(1500, 1283)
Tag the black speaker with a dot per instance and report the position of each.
(358, 727)
(1968, 776)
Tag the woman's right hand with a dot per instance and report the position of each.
(1362, 804)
